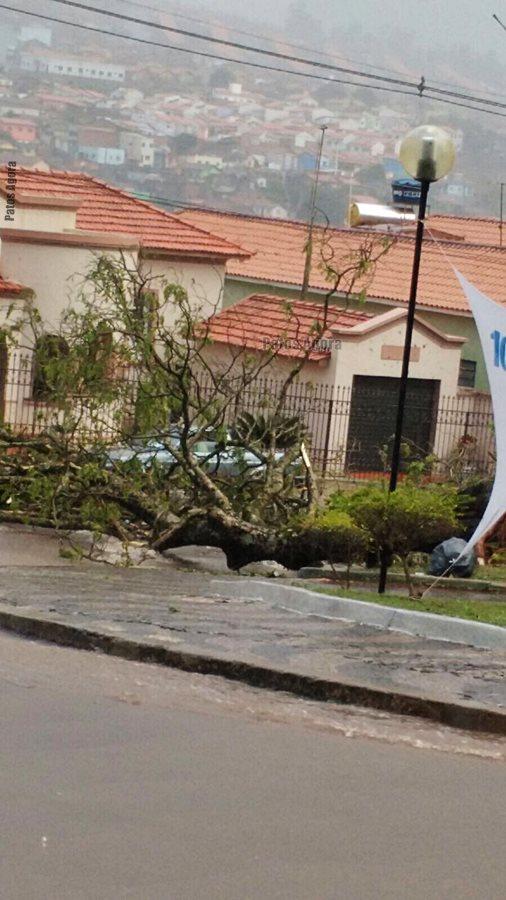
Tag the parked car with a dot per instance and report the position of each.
(220, 458)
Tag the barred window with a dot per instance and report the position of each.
(467, 373)
(49, 350)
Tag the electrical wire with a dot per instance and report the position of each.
(422, 86)
(182, 205)
(271, 40)
(284, 43)
(235, 45)
(203, 53)
(258, 65)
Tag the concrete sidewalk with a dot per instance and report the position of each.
(198, 622)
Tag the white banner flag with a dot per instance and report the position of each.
(490, 321)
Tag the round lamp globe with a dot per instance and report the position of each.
(427, 153)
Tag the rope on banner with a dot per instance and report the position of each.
(437, 580)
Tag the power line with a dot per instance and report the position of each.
(421, 87)
(257, 65)
(260, 37)
(236, 45)
(203, 53)
(284, 43)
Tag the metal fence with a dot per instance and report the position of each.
(347, 435)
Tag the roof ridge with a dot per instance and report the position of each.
(306, 305)
(464, 218)
(347, 230)
(162, 215)
(237, 215)
(157, 209)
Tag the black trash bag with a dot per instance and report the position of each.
(446, 553)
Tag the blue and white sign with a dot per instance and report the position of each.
(406, 191)
(490, 320)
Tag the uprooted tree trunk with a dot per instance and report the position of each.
(241, 542)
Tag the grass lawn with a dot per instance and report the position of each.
(490, 573)
(465, 608)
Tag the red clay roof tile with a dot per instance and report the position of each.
(264, 321)
(10, 287)
(107, 208)
(474, 231)
(277, 249)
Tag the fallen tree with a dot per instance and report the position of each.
(130, 366)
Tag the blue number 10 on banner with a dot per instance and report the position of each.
(499, 349)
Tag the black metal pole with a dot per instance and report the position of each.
(403, 382)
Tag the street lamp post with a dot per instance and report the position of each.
(427, 153)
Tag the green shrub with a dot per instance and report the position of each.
(332, 535)
(413, 518)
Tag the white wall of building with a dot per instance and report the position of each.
(72, 68)
(37, 218)
(109, 156)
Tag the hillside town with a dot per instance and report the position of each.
(217, 139)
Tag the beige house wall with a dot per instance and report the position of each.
(432, 358)
(222, 356)
(237, 289)
(55, 273)
(203, 281)
(38, 218)
(318, 375)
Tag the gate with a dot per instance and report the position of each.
(372, 420)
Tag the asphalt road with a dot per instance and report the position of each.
(121, 780)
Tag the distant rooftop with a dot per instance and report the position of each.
(277, 258)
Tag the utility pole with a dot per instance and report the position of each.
(312, 216)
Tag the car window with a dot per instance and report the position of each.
(204, 448)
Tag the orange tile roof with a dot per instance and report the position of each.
(109, 209)
(473, 231)
(277, 249)
(264, 321)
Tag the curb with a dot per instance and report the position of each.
(457, 715)
(421, 624)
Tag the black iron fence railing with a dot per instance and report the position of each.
(347, 434)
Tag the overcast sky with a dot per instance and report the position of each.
(446, 26)
(443, 21)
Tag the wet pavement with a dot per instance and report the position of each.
(120, 779)
(193, 612)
